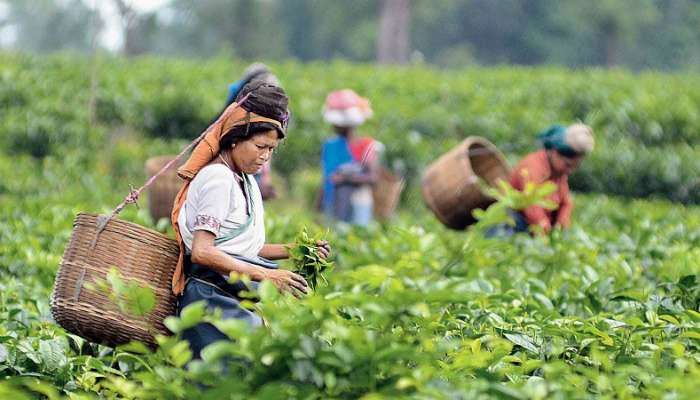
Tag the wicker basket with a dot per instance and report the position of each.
(386, 193)
(450, 184)
(161, 194)
(140, 254)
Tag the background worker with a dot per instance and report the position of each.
(349, 162)
(564, 148)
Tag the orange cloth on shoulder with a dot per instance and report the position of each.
(205, 151)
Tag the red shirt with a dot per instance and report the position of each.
(363, 150)
(535, 168)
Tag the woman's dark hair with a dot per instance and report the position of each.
(245, 132)
(263, 99)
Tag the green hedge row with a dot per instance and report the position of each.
(646, 124)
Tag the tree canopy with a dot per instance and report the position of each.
(637, 34)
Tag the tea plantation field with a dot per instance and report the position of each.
(608, 309)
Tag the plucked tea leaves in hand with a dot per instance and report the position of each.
(307, 259)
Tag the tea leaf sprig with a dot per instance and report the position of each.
(307, 259)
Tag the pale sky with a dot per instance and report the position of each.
(111, 36)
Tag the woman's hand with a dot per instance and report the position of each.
(287, 281)
(324, 248)
(545, 226)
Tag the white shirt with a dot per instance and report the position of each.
(216, 203)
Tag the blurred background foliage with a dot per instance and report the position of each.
(126, 110)
(637, 34)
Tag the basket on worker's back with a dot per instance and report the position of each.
(451, 183)
(161, 194)
(386, 193)
(139, 254)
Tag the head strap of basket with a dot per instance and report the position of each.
(346, 109)
(270, 104)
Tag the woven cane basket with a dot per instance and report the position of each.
(139, 254)
(161, 194)
(386, 193)
(450, 184)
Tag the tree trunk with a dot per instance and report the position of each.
(132, 46)
(129, 23)
(610, 27)
(611, 48)
(393, 45)
(94, 79)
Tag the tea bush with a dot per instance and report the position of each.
(610, 308)
(640, 120)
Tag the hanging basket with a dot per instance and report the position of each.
(140, 255)
(451, 183)
(386, 193)
(161, 194)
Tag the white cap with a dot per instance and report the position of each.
(580, 138)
